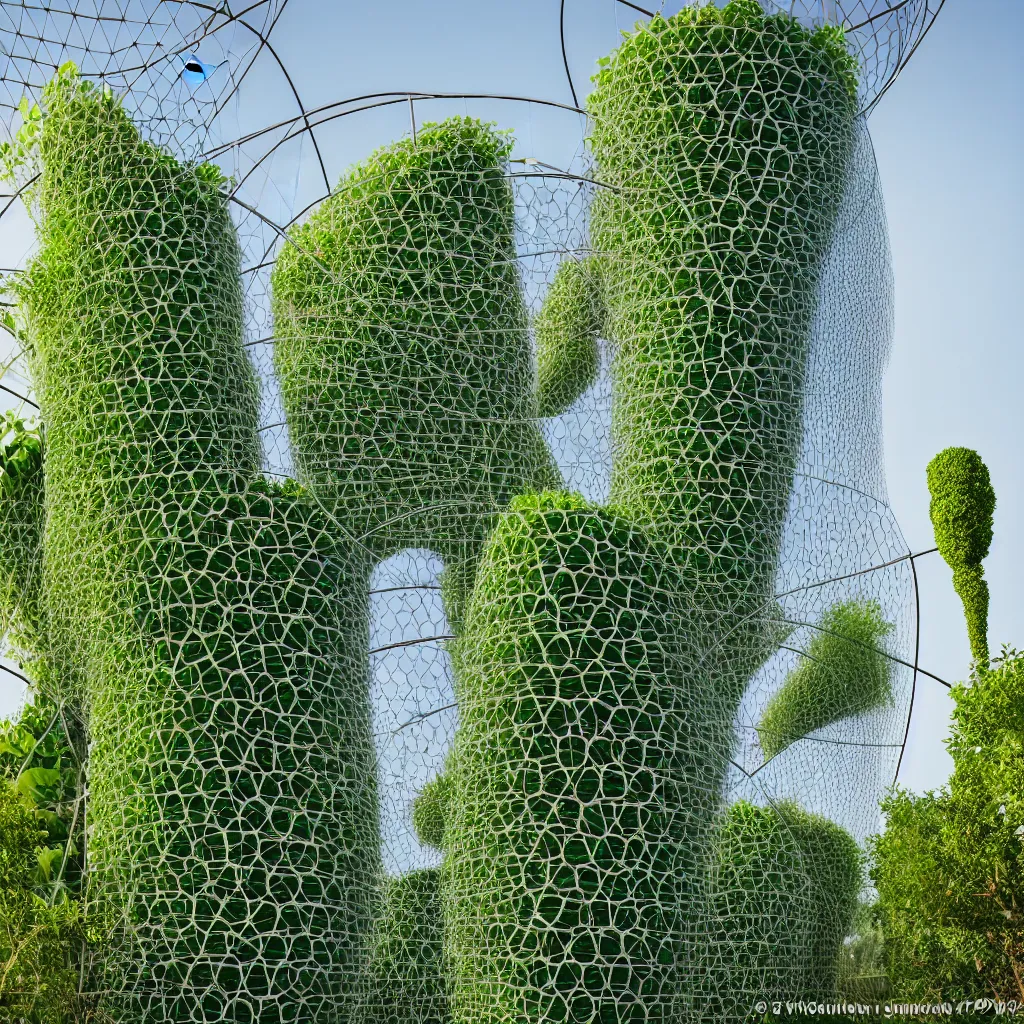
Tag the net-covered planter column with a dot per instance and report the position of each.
(403, 351)
(199, 613)
(723, 136)
(583, 780)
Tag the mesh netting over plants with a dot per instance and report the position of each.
(470, 596)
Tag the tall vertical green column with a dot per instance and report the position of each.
(198, 612)
(403, 349)
(584, 778)
(722, 135)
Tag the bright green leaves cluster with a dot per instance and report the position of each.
(42, 932)
(39, 938)
(961, 510)
(566, 331)
(950, 866)
(845, 671)
(21, 527)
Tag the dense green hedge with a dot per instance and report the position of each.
(430, 812)
(403, 348)
(844, 672)
(217, 639)
(786, 884)
(584, 777)
(723, 135)
(961, 511)
(406, 976)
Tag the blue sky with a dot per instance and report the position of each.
(948, 141)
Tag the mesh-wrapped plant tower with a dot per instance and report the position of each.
(215, 635)
(190, 607)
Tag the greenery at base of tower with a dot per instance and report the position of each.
(724, 136)
(845, 671)
(785, 888)
(406, 972)
(961, 512)
(949, 867)
(403, 349)
(584, 775)
(41, 938)
(204, 617)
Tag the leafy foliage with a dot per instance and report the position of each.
(583, 778)
(786, 884)
(723, 135)
(406, 976)
(844, 672)
(950, 866)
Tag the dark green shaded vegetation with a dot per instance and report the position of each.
(406, 968)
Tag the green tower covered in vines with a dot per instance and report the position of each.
(191, 611)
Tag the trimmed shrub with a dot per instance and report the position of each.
(206, 619)
(430, 812)
(724, 135)
(403, 349)
(961, 511)
(785, 887)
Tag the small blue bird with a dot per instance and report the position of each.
(195, 72)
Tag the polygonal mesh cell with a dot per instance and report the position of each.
(562, 680)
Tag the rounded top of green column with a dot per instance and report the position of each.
(685, 59)
(961, 507)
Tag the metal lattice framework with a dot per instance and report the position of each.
(464, 576)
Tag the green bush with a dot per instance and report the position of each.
(785, 888)
(961, 511)
(207, 619)
(566, 330)
(41, 940)
(406, 975)
(430, 812)
(584, 776)
(845, 671)
(949, 867)
(403, 349)
(724, 136)
(21, 527)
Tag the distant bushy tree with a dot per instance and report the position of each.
(950, 866)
